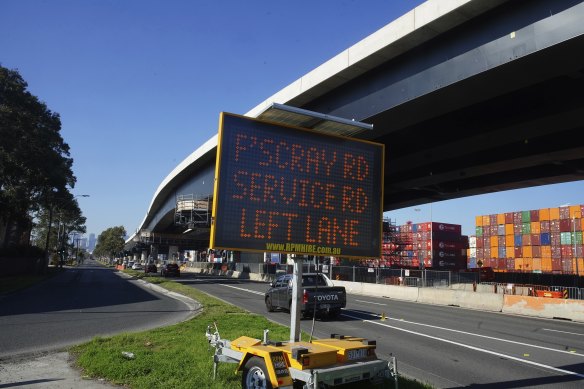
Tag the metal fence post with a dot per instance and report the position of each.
(353, 273)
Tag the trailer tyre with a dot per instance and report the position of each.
(255, 374)
(269, 305)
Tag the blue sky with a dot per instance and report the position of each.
(139, 85)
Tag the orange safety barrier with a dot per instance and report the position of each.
(549, 294)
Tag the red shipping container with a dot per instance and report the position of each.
(564, 213)
(510, 264)
(566, 251)
(565, 225)
(493, 220)
(535, 240)
(444, 227)
(544, 226)
(526, 240)
(509, 218)
(556, 239)
(517, 218)
(480, 254)
(518, 252)
(517, 228)
(534, 215)
(567, 264)
(556, 252)
(536, 251)
(556, 264)
(502, 241)
(487, 251)
(554, 226)
(440, 244)
(577, 223)
(480, 242)
(502, 263)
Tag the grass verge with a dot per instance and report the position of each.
(178, 356)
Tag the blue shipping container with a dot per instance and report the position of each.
(518, 240)
(545, 239)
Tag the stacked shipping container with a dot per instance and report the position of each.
(545, 240)
(431, 245)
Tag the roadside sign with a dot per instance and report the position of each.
(291, 190)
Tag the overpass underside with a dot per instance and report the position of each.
(494, 104)
(486, 98)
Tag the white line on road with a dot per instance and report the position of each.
(245, 290)
(563, 332)
(486, 337)
(471, 347)
(369, 302)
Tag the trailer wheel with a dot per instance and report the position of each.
(269, 305)
(255, 375)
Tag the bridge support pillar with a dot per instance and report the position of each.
(172, 253)
(154, 253)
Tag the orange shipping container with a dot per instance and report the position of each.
(494, 241)
(546, 264)
(509, 230)
(518, 263)
(486, 220)
(575, 211)
(535, 228)
(510, 239)
(510, 251)
(546, 252)
(500, 218)
(527, 251)
(528, 264)
(479, 221)
(554, 214)
(536, 264)
(580, 266)
(544, 214)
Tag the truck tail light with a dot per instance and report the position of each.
(305, 297)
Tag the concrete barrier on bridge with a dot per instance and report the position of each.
(462, 298)
(379, 290)
(550, 308)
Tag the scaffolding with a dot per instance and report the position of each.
(193, 210)
(394, 243)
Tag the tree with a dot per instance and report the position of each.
(110, 242)
(35, 164)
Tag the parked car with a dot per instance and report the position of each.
(150, 268)
(136, 266)
(170, 270)
(319, 295)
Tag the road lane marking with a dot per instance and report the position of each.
(245, 290)
(485, 336)
(528, 362)
(370, 302)
(563, 332)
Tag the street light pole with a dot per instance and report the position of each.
(575, 255)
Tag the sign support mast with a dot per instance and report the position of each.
(297, 292)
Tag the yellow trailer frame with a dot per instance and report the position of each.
(335, 361)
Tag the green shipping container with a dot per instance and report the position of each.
(578, 237)
(526, 217)
(526, 228)
(565, 238)
(479, 231)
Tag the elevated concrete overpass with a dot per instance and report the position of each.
(469, 97)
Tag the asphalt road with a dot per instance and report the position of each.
(79, 304)
(447, 347)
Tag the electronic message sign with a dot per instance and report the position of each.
(291, 190)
